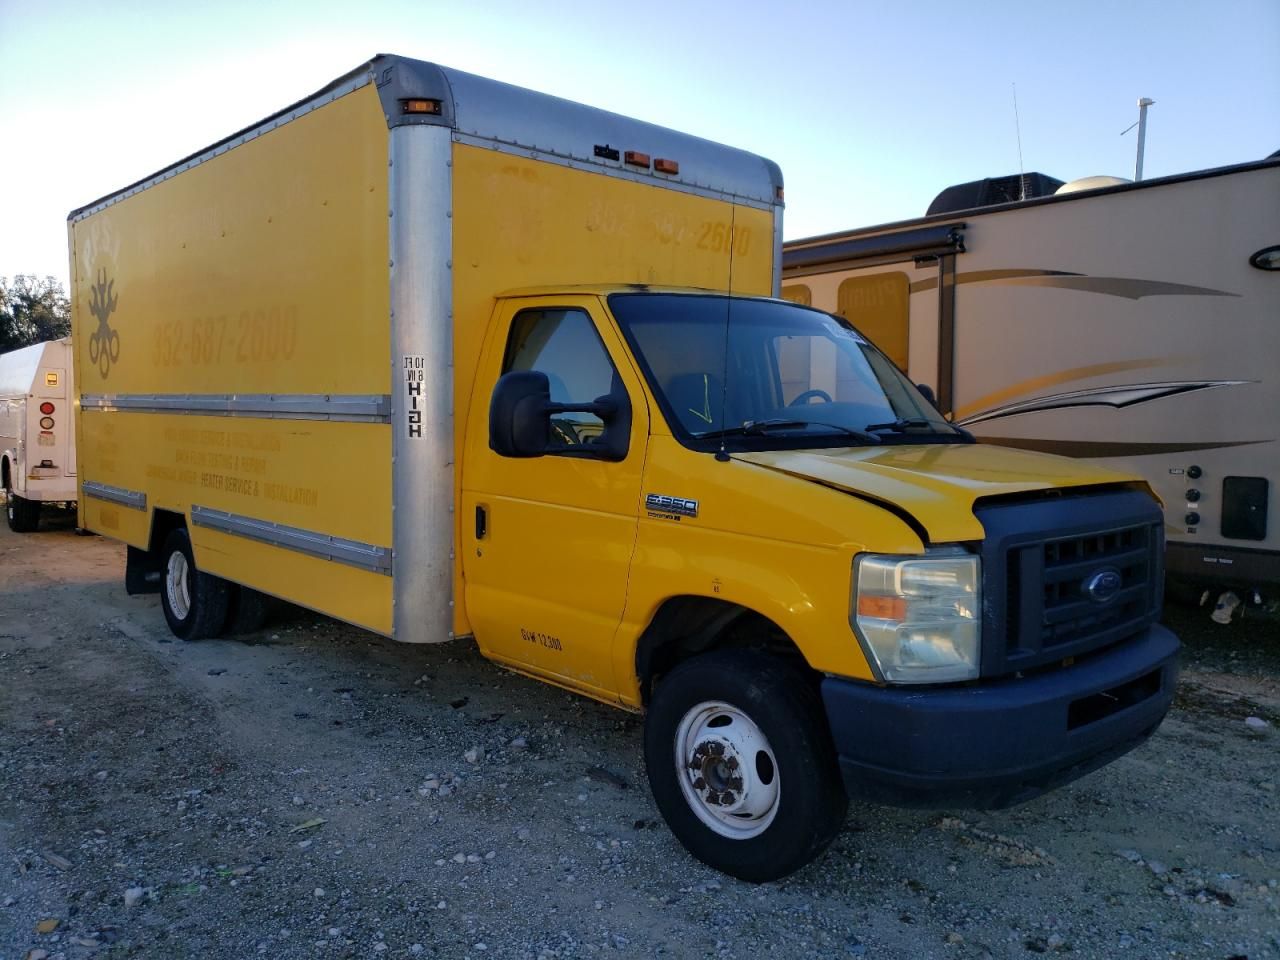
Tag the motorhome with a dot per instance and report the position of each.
(1130, 323)
(446, 358)
(37, 431)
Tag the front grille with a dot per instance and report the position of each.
(1039, 606)
(1061, 568)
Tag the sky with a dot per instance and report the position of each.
(870, 108)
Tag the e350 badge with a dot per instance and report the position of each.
(661, 507)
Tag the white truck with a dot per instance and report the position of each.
(37, 431)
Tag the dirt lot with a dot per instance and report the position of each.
(320, 792)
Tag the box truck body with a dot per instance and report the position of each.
(1134, 323)
(37, 431)
(443, 357)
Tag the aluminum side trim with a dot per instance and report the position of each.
(104, 491)
(359, 408)
(351, 552)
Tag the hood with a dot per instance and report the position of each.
(937, 484)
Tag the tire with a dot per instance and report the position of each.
(248, 610)
(739, 705)
(195, 603)
(23, 514)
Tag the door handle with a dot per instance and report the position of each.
(482, 522)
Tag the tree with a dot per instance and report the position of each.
(32, 310)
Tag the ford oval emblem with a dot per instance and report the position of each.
(1101, 586)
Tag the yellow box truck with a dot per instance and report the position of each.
(441, 357)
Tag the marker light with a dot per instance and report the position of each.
(666, 166)
(636, 158)
(420, 106)
(46, 408)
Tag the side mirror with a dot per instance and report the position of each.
(520, 413)
(927, 392)
(519, 421)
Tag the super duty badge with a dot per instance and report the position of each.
(669, 508)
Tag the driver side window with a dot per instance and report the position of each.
(563, 344)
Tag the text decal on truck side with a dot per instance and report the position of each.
(415, 375)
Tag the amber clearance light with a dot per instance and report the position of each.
(420, 106)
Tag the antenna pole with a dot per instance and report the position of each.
(1143, 103)
(1017, 126)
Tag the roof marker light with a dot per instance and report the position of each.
(419, 105)
(666, 166)
(636, 158)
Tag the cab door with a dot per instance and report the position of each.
(548, 540)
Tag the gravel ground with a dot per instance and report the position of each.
(320, 792)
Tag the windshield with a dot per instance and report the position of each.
(763, 374)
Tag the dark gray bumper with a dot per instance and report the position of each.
(993, 744)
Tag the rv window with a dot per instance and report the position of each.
(798, 293)
(878, 304)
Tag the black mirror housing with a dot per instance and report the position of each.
(519, 420)
(927, 392)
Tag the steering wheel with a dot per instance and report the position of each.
(808, 395)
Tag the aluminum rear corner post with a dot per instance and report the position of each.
(422, 521)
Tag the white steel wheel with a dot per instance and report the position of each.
(195, 603)
(727, 770)
(177, 584)
(724, 732)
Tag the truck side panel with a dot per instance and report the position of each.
(232, 338)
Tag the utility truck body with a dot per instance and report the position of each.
(441, 357)
(37, 431)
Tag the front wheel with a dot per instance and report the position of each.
(195, 603)
(741, 764)
(23, 514)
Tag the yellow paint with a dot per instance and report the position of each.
(520, 223)
(263, 270)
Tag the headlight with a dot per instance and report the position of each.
(919, 618)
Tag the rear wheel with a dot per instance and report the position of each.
(195, 603)
(23, 514)
(248, 610)
(741, 764)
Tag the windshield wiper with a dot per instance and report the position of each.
(903, 424)
(899, 425)
(761, 428)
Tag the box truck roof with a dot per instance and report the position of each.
(487, 112)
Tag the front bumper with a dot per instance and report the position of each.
(996, 743)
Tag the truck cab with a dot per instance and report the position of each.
(739, 516)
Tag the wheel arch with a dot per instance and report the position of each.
(143, 565)
(687, 625)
